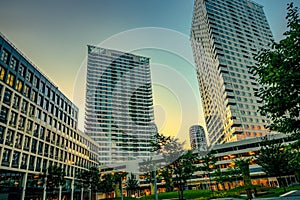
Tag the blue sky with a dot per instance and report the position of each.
(54, 35)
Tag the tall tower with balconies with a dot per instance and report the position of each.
(119, 105)
(225, 37)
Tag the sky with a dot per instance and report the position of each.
(54, 35)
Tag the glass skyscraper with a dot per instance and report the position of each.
(225, 37)
(119, 104)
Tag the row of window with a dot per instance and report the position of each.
(25, 80)
(20, 104)
(22, 160)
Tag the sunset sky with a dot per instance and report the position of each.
(54, 35)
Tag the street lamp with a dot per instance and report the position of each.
(72, 184)
(45, 185)
(121, 185)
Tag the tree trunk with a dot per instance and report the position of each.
(151, 188)
(223, 186)
(210, 187)
(229, 185)
(217, 184)
(280, 183)
(118, 192)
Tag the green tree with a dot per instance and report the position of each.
(208, 165)
(278, 73)
(132, 185)
(233, 174)
(54, 177)
(106, 184)
(90, 179)
(275, 158)
(166, 174)
(171, 149)
(221, 177)
(295, 159)
(118, 177)
(149, 173)
(183, 169)
(242, 165)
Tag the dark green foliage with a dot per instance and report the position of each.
(242, 166)
(90, 178)
(208, 164)
(220, 177)
(132, 185)
(166, 174)
(171, 149)
(183, 169)
(275, 159)
(118, 177)
(55, 177)
(106, 184)
(279, 74)
(159, 141)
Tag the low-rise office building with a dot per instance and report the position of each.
(38, 128)
(226, 154)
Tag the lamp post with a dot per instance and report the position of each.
(121, 185)
(155, 184)
(45, 185)
(72, 185)
(81, 195)
(90, 189)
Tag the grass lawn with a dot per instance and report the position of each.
(276, 192)
(207, 194)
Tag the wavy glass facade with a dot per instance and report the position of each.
(119, 105)
(225, 37)
(38, 128)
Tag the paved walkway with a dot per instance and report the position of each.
(292, 195)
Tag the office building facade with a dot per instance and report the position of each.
(38, 129)
(119, 104)
(225, 37)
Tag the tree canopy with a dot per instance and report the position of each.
(275, 159)
(55, 176)
(90, 178)
(278, 73)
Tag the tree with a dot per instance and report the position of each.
(159, 141)
(118, 177)
(183, 169)
(90, 179)
(275, 158)
(149, 173)
(221, 177)
(54, 178)
(208, 165)
(233, 174)
(171, 149)
(295, 160)
(106, 184)
(278, 73)
(132, 185)
(242, 165)
(167, 174)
